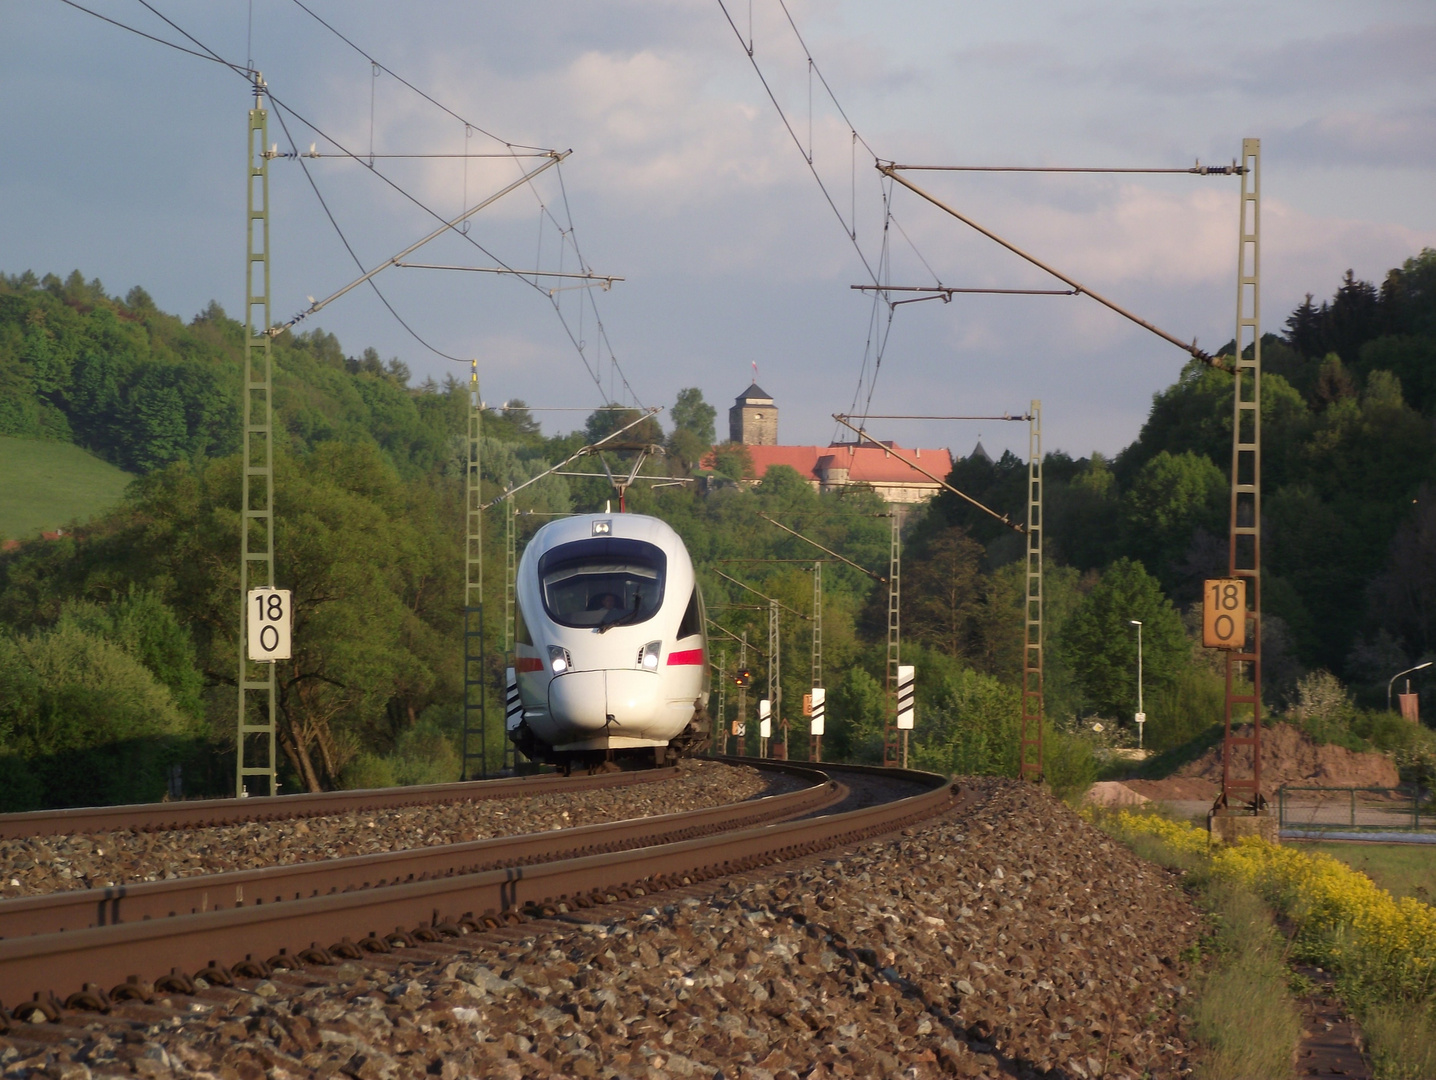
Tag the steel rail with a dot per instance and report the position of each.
(201, 813)
(79, 909)
(290, 935)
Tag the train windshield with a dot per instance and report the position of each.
(603, 582)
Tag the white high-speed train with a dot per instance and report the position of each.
(611, 655)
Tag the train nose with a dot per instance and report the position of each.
(586, 699)
(633, 697)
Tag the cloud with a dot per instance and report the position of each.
(1402, 138)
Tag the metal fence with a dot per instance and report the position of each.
(1354, 810)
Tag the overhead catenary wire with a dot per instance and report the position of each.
(951, 289)
(863, 435)
(279, 115)
(589, 449)
(157, 40)
(1197, 170)
(1192, 348)
(877, 333)
(605, 279)
(593, 375)
(849, 230)
(389, 71)
(1024, 417)
(252, 76)
(514, 149)
(249, 74)
(829, 551)
(446, 226)
(755, 592)
(567, 232)
(378, 157)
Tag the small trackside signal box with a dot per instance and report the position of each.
(269, 616)
(1224, 613)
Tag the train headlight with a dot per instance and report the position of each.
(558, 659)
(649, 657)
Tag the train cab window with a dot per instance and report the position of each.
(603, 582)
(692, 618)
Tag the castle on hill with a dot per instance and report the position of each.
(753, 421)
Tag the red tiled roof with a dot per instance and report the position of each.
(865, 464)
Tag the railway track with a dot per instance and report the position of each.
(247, 925)
(205, 813)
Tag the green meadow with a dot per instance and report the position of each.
(45, 485)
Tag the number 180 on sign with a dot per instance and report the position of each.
(1224, 613)
(268, 624)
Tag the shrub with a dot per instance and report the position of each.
(1068, 762)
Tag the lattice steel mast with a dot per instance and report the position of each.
(775, 675)
(892, 744)
(722, 719)
(511, 574)
(256, 522)
(1030, 747)
(475, 682)
(1245, 532)
(741, 741)
(815, 742)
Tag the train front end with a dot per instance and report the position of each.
(611, 659)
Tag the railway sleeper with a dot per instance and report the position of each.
(135, 994)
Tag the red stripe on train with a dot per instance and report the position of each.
(528, 663)
(687, 656)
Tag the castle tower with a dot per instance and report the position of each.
(753, 419)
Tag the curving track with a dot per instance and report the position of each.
(246, 925)
(204, 813)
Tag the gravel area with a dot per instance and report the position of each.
(1008, 939)
(48, 864)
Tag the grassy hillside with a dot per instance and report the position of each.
(44, 485)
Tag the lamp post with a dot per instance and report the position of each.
(1398, 675)
(1141, 716)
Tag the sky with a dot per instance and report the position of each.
(124, 159)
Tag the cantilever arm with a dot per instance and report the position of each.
(1205, 357)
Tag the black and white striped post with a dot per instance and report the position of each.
(819, 699)
(907, 677)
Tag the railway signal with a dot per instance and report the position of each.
(744, 677)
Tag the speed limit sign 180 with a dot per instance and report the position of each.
(1224, 613)
(269, 619)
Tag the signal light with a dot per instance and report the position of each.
(744, 677)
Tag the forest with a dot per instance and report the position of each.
(118, 640)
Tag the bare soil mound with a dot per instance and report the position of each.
(1288, 756)
(1179, 788)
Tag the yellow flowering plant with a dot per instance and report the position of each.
(1381, 947)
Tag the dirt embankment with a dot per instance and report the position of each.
(1288, 756)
